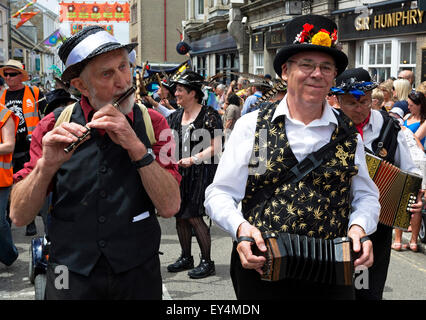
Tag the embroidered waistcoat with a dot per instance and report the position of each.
(316, 206)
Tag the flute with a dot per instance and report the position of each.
(115, 104)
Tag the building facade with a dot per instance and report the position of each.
(156, 26)
(214, 48)
(384, 37)
(4, 32)
(26, 45)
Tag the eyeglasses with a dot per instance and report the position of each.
(362, 102)
(11, 74)
(308, 67)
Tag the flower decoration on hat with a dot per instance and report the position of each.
(321, 38)
(353, 87)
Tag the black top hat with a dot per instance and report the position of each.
(190, 79)
(56, 98)
(86, 44)
(311, 33)
(353, 81)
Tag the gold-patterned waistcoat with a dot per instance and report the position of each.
(316, 206)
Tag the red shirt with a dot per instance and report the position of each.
(159, 124)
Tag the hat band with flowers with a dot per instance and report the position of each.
(320, 38)
(309, 33)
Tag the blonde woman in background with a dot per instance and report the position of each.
(386, 88)
(401, 89)
(377, 99)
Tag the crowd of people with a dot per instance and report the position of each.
(254, 156)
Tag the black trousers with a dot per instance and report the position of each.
(248, 286)
(140, 283)
(378, 272)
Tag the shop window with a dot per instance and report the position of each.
(360, 52)
(227, 63)
(201, 67)
(408, 53)
(258, 65)
(379, 60)
(407, 56)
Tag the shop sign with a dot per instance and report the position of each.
(257, 41)
(371, 23)
(389, 20)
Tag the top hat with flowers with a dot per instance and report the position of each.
(311, 33)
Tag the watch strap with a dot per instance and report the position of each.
(147, 159)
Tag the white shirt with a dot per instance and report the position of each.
(228, 187)
(371, 132)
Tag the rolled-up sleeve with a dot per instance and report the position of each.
(228, 187)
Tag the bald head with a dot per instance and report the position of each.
(408, 75)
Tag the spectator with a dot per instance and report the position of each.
(232, 114)
(197, 169)
(415, 121)
(387, 89)
(23, 101)
(377, 98)
(8, 126)
(407, 75)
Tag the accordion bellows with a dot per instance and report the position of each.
(398, 190)
(293, 256)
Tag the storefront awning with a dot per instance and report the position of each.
(218, 42)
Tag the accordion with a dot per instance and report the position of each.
(293, 256)
(398, 190)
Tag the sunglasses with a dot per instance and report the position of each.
(11, 74)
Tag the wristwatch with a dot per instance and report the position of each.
(196, 160)
(147, 159)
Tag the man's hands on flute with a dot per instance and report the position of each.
(56, 140)
(115, 123)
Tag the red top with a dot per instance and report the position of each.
(159, 124)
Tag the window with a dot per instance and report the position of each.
(360, 53)
(379, 60)
(407, 56)
(199, 9)
(258, 63)
(133, 14)
(201, 67)
(408, 53)
(227, 63)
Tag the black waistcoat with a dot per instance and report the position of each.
(97, 193)
(317, 206)
(387, 142)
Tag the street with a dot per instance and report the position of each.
(406, 277)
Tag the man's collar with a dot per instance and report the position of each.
(88, 110)
(327, 117)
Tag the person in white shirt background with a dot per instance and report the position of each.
(300, 124)
(354, 89)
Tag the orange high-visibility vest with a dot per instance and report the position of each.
(29, 107)
(6, 168)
